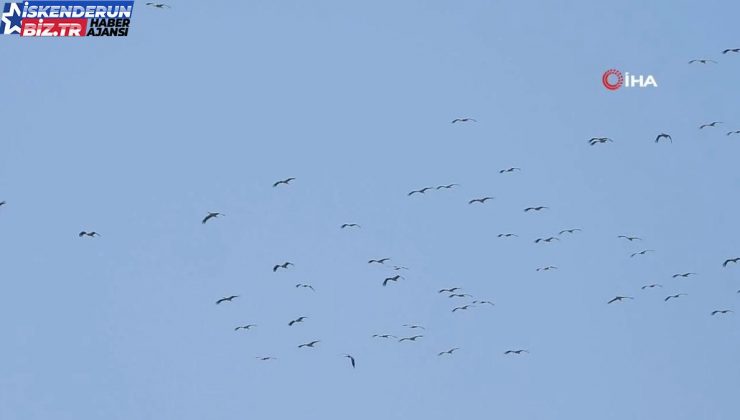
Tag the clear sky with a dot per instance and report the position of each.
(207, 104)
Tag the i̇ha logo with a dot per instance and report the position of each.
(613, 80)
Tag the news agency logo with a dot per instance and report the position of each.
(66, 18)
(613, 80)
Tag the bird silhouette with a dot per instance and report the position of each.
(663, 136)
(674, 297)
(450, 351)
(413, 338)
(599, 140)
(712, 124)
(548, 268)
(507, 235)
(399, 268)
(90, 234)
(643, 252)
(349, 225)
(548, 240)
(2, 203)
(730, 260)
(457, 120)
(421, 191)
(447, 187)
(503, 171)
(451, 290)
(244, 327)
(683, 275)
(619, 299)
(284, 266)
(351, 359)
(394, 278)
(481, 200)
(210, 216)
(729, 133)
(569, 231)
(651, 286)
(297, 320)
(226, 299)
(702, 61)
(729, 50)
(413, 326)
(380, 261)
(516, 351)
(305, 286)
(722, 311)
(483, 302)
(311, 344)
(459, 295)
(630, 238)
(384, 336)
(462, 308)
(265, 358)
(159, 5)
(539, 208)
(283, 182)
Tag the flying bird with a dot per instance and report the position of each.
(729, 133)
(265, 358)
(507, 235)
(730, 260)
(447, 187)
(509, 170)
(548, 268)
(480, 200)
(683, 275)
(410, 338)
(651, 286)
(245, 327)
(456, 120)
(641, 252)
(311, 344)
(384, 336)
(663, 136)
(712, 124)
(226, 299)
(599, 140)
(394, 278)
(450, 351)
(399, 268)
(569, 231)
(159, 5)
(452, 290)
(305, 286)
(284, 266)
(462, 308)
(283, 182)
(351, 359)
(459, 295)
(630, 238)
(413, 326)
(380, 261)
(421, 191)
(619, 299)
(702, 61)
(297, 320)
(674, 297)
(349, 225)
(90, 234)
(539, 208)
(210, 216)
(550, 239)
(729, 50)
(723, 311)
(2, 203)
(483, 302)
(516, 351)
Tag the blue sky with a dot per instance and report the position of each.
(205, 105)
